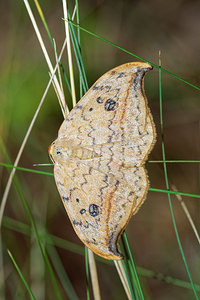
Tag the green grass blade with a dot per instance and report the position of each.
(127, 270)
(173, 161)
(132, 266)
(167, 279)
(49, 239)
(51, 40)
(51, 174)
(31, 220)
(21, 276)
(87, 274)
(167, 186)
(138, 57)
(174, 192)
(79, 43)
(77, 51)
(26, 169)
(64, 279)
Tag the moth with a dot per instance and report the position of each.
(99, 157)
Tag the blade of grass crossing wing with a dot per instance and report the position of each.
(51, 174)
(167, 187)
(138, 57)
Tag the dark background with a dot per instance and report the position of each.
(144, 28)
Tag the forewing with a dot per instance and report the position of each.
(114, 108)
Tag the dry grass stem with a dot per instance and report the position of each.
(7, 189)
(62, 104)
(187, 213)
(120, 269)
(69, 53)
(94, 276)
(43, 49)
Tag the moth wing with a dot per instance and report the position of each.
(114, 109)
(99, 206)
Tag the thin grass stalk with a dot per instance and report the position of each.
(43, 20)
(22, 277)
(59, 268)
(77, 45)
(187, 213)
(37, 263)
(74, 12)
(60, 80)
(77, 52)
(174, 161)
(71, 72)
(51, 40)
(136, 56)
(32, 222)
(122, 275)
(174, 193)
(47, 241)
(90, 259)
(79, 42)
(128, 277)
(126, 269)
(94, 276)
(7, 189)
(167, 279)
(43, 49)
(54, 241)
(2, 274)
(132, 267)
(87, 274)
(167, 186)
(61, 105)
(51, 174)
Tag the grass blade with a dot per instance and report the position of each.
(187, 213)
(132, 267)
(87, 274)
(6, 191)
(122, 275)
(136, 56)
(44, 50)
(21, 276)
(71, 72)
(167, 186)
(94, 276)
